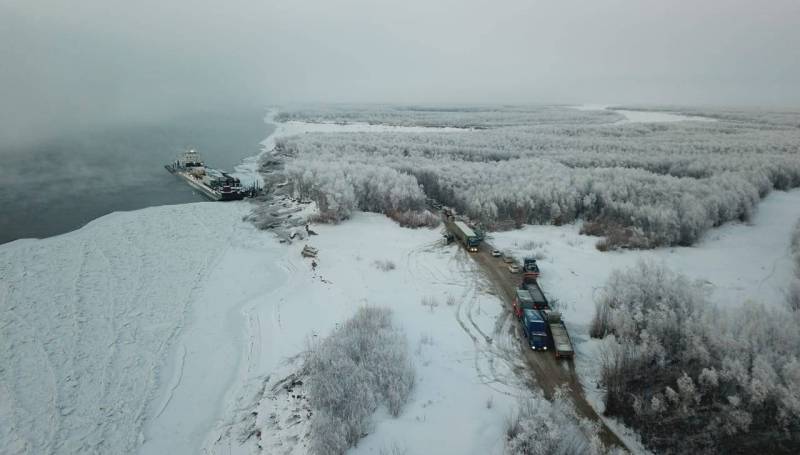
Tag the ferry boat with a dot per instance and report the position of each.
(212, 183)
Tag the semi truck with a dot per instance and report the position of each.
(529, 265)
(464, 234)
(522, 301)
(531, 284)
(562, 344)
(535, 329)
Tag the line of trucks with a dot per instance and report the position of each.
(543, 327)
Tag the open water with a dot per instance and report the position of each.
(60, 185)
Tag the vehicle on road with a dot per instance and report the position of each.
(562, 344)
(529, 265)
(496, 253)
(462, 232)
(514, 268)
(535, 329)
(507, 258)
(522, 301)
(530, 283)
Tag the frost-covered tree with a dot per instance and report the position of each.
(363, 364)
(642, 185)
(541, 427)
(726, 381)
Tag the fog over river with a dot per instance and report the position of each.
(60, 185)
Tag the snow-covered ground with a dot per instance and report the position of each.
(90, 316)
(87, 318)
(659, 117)
(643, 116)
(142, 329)
(459, 349)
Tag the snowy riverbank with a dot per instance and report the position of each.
(154, 330)
(88, 317)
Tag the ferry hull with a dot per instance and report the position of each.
(205, 190)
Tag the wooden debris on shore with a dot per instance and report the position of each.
(309, 252)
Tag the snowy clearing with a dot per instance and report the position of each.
(134, 289)
(643, 116)
(658, 117)
(87, 318)
(459, 348)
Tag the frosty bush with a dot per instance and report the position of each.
(642, 185)
(385, 265)
(794, 286)
(362, 365)
(541, 427)
(430, 302)
(726, 381)
(415, 218)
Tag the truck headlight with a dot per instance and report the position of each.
(545, 348)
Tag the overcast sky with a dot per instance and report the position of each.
(65, 64)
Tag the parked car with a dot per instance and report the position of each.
(513, 268)
(496, 253)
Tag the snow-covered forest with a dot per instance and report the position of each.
(436, 116)
(642, 185)
(726, 380)
(794, 288)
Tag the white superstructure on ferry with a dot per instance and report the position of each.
(214, 184)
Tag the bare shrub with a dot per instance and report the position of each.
(384, 265)
(415, 218)
(532, 245)
(362, 365)
(601, 323)
(794, 294)
(616, 235)
(794, 286)
(451, 300)
(327, 217)
(430, 302)
(394, 448)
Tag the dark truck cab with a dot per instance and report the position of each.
(535, 329)
(529, 265)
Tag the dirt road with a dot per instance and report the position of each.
(548, 373)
